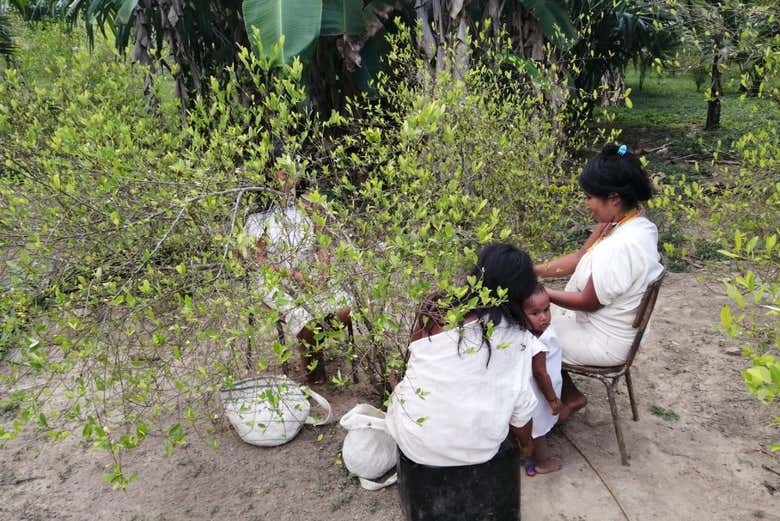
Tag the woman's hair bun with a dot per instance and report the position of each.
(612, 172)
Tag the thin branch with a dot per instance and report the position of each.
(230, 231)
(184, 206)
(598, 474)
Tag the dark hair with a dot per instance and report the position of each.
(498, 266)
(610, 172)
(503, 266)
(539, 288)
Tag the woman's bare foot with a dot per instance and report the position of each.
(548, 466)
(570, 408)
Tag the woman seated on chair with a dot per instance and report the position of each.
(466, 387)
(609, 273)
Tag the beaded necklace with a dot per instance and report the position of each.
(607, 231)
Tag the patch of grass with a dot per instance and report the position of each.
(8, 408)
(669, 111)
(675, 264)
(341, 501)
(708, 250)
(663, 413)
(673, 247)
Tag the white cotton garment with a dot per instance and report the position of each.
(288, 232)
(454, 408)
(544, 419)
(291, 243)
(622, 266)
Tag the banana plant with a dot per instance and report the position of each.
(329, 36)
(7, 46)
(297, 24)
(307, 28)
(294, 23)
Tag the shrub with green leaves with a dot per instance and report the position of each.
(751, 211)
(127, 295)
(128, 279)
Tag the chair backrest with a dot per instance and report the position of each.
(643, 313)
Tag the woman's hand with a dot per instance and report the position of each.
(585, 300)
(565, 265)
(560, 267)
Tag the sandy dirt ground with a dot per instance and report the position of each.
(710, 464)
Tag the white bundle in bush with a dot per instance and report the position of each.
(270, 411)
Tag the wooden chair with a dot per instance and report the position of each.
(610, 376)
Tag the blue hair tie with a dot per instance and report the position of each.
(622, 150)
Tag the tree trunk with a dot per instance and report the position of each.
(614, 87)
(713, 105)
(526, 35)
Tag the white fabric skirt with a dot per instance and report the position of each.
(583, 344)
(298, 314)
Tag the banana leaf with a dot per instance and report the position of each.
(298, 21)
(341, 17)
(554, 20)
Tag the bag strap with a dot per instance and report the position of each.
(367, 484)
(322, 402)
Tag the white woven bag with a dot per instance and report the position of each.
(369, 451)
(272, 410)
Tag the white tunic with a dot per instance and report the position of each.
(291, 243)
(544, 419)
(451, 409)
(622, 265)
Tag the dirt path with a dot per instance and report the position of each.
(710, 464)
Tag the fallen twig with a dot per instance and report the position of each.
(773, 471)
(655, 149)
(603, 481)
(20, 481)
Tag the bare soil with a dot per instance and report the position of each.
(709, 464)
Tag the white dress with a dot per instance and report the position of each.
(544, 419)
(291, 243)
(452, 409)
(622, 266)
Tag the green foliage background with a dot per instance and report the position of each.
(127, 283)
(129, 291)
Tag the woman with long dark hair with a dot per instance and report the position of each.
(466, 387)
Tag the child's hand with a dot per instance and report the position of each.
(556, 405)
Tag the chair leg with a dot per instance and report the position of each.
(631, 397)
(616, 421)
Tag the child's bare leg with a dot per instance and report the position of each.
(573, 400)
(543, 462)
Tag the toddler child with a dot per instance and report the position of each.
(546, 381)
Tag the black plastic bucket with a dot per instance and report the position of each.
(489, 491)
